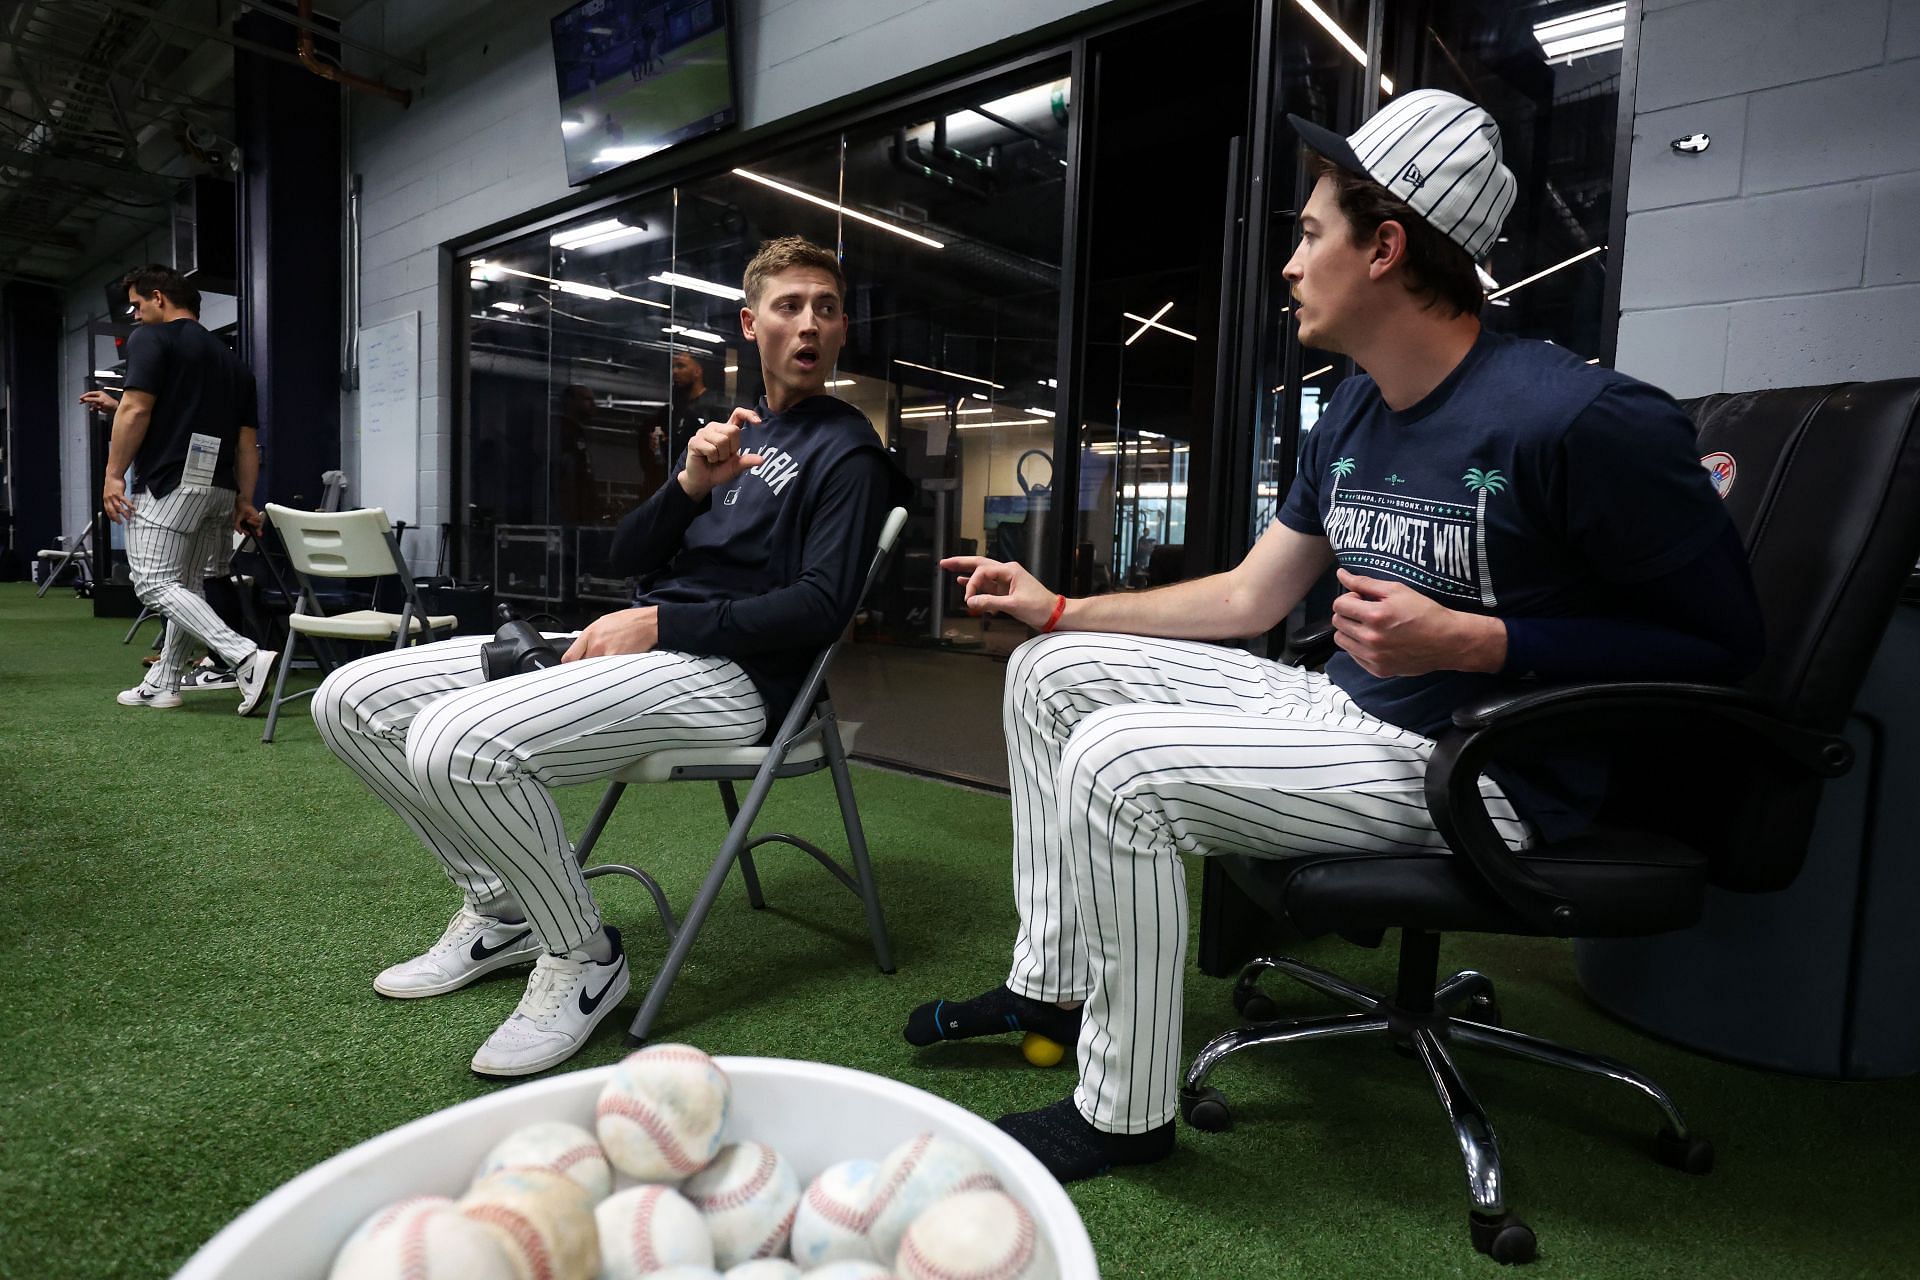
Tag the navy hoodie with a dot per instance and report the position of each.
(767, 570)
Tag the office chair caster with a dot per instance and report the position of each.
(1253, 1004)
(1689, 1155)
(1483, 1009)
(1503, 1237)
(1206, 1110)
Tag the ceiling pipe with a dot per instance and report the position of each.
(311, 60)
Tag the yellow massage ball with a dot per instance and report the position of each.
(1040, 1051)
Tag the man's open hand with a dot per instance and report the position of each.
(714, 457)
(100, 401)
(628, 631)
(995, 586)
(1393, 630)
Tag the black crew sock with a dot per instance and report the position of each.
(1072, 1149)
(997, 1013)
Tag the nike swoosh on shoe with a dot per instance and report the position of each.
(482, 952)
(589, 1003)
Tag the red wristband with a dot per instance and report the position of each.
(1053, 619)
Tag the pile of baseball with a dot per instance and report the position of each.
(654, 1193)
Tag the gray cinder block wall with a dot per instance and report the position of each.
(481, 142)
(1788, 253)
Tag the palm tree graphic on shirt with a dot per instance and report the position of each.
(1483, 483)
(1341, 470)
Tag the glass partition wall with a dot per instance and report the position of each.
(1067, 318)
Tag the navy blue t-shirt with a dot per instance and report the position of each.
(1527, 484)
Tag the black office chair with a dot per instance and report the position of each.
(1825, 488)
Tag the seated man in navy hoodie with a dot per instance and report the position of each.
(750, 561)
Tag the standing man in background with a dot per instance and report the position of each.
(186, 427)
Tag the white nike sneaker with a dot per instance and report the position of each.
(252, 678)
(145, 695)
(473, 945)
(566, 998)
(207, 677)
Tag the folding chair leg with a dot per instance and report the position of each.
(748, 872)
(857, 843)
(280, 684)
(583, 847)
(695, 917)
(145, 613)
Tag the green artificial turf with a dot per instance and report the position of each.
(192, 919)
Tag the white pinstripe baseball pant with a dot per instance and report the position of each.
(170, 542)
(467, 764)
(1126, 752)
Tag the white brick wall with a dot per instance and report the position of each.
(481, 142)
(1788, 253)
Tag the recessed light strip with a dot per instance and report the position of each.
(1155, 324)
(1541, 275)
(675, 279)
(1339, 33)
(824, 203)
(1146, 322)
(948, 373)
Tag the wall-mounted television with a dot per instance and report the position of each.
(638, 76)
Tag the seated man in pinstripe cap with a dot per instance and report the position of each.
(1497, 510)
(749, 561)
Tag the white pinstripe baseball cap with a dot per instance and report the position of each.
(1436, 151)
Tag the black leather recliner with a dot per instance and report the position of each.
(1826, 493)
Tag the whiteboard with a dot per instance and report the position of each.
(390, 419)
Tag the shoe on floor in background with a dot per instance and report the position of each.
(251, 678)
(150, 659)
(145, 695)
(472, 945)
(208, 676)
(567, 997)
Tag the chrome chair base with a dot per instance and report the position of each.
(1462, 1010)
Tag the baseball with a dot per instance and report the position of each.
(831, 1223)
(543, 1218)
(421, 1238)
(914, 1175)
(659, 1118)
(748, 1196)
(975, 1235)
(764, 1269)
(564, 1148)
(647, 1229)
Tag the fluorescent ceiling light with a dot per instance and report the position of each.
(579, 290)
(1539, 275)
(615, 236)
(509, 306)
(701, 334)
(1146, 323)
(675, 279)
(575, 235)
(1154, 323)
(948, 373)
(1045, 413)
(1347, 42)
(107, 373)
(938, 411)
(732, 368)
(1052, 382)
(1325, 368)
(1007, 422)
(810, 198)
(843, 382)
(1600, 30)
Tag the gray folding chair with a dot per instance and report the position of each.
(810, 739)
(70, 554)
(344, 544)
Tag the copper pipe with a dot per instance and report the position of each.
(339, 75)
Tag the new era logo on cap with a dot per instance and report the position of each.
(1437, 152)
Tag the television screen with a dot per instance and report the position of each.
(637, 76)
